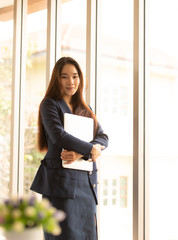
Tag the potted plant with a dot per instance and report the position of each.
(21, 218)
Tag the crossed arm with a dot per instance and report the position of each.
(71, 156)
(52, 121)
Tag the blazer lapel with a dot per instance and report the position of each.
(64, 107)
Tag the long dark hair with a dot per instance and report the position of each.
(54, 91)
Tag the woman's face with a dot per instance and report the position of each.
(69, 81)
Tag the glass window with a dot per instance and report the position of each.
(115, 113)
(35, 84)
(162, 117)
(6, 46)
(123, 191)
(73, 18)
(105, 192)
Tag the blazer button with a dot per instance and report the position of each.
(94, 185)
(90, 173)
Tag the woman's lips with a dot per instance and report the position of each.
(70, 88)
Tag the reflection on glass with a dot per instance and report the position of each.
(162, 117)
(73, 17)
(114, 110)
(35, 85)
(6, 45)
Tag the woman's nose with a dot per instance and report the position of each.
(71, 80)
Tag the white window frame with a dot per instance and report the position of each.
(92, 73)
(139, 121)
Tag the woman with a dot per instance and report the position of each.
(73, 191)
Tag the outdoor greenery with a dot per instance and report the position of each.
(5, 122)
(5, 103)
(32, 156)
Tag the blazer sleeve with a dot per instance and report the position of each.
(100, 138)
(54, 129)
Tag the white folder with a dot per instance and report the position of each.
(82, 128)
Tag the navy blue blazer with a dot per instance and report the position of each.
(51, 178)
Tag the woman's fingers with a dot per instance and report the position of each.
(70, 156)
(67, 156)
(96, 151)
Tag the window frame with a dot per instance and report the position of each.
(92, 72)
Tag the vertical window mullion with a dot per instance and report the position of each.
(22, 97)
(17, 127)
(147, 128)
(138, 122)
(51, 37)
(92, 69)
(91, 52)
(58, 29)
(16, 78)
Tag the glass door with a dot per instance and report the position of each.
(35, 84)
(162, 119)
(115, 113)
(6, 51)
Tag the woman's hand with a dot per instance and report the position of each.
(70, 156)
(96, 151)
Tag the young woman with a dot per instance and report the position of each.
(73, 191)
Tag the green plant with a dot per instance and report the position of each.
(19, 214)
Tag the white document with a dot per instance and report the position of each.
(82, 128)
